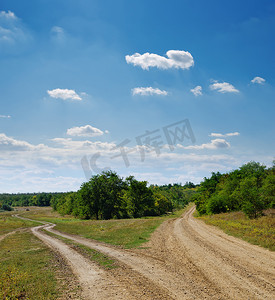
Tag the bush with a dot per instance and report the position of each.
(216, 205)
(6, 207)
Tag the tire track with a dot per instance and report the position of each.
(187, 259)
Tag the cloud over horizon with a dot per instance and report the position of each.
(176, 59)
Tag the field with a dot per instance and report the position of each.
(141, 259)
(9, 223)
(260, 231)
(128, 233)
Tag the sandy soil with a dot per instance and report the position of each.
(185, 259)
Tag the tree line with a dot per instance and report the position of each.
(27, 199)
(251, 188)
(107, 196)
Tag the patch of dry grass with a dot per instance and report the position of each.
(260, 231)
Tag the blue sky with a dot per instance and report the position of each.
(86, 81)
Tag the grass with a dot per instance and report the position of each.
(9, 223)
(26, 269)
(260, 231)
(98, 257)
(128, 233)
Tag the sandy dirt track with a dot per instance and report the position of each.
(185, 259)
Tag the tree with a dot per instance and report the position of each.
(252, 205)
(140, 196)
(267, 191)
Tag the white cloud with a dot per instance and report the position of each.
(258, 80)
(5, 116)
(176, 59)
(28, 167)
(64, 94)
(7, 15)
(57, 34)
(214, 144)
(85, 131)
(13, 34)
(148, 91)
(197, 91)
(224, 135)
(223, 87)
(11, 144)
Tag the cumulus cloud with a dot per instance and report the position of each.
(258, 80)
(197, 91)
(13, 34)
(214, 144)
(223, 87)
(64, 94)
(85, 131)
(148, 91)
(5, 116)
(176, 59)
(224, 135)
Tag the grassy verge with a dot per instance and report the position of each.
(98, 257)
(29, 270)
(26, 271)
(259, 231)
(128, 233)
(9, 223)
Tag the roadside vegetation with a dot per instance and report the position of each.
(26, 269)
(241, 202)
(259, 231)
(9, 223)
(251, 188)
(101, 259)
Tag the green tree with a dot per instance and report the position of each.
(252, 205)
(140, 196)
(267, 191)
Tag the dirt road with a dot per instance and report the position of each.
(185, 259)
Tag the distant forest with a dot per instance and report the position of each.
(106, 196)
(28, 199)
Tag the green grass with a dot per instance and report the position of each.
(128, 233)
(26, 270)
(97, 257)
(9, 223)
(260, 231)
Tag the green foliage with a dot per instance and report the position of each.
(268, 190)
(252, 204)
(250, 188)
(6, 207)
(108, 196)
(29, 199)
